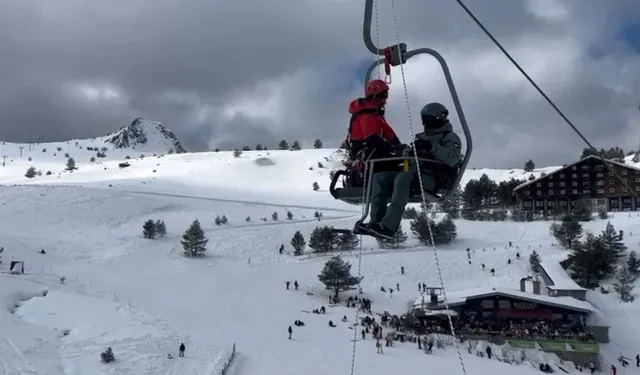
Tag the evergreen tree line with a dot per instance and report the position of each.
(594, 258)
(614, 153)
(484, 199)
(282, 145)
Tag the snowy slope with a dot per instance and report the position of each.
(143, 298)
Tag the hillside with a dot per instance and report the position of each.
(143, 298)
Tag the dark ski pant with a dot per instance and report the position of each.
(394, 188)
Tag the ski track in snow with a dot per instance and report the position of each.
(143, 298)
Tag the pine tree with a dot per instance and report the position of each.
(258, 147)
(194, 241)
(274, 216)
(529, 166)
(31, 172)
(322, 239)
(534, 262)
(298, 243)
(451, 205)
(149, 229)
(420, 227)
(317, 215)
(567, 232)
(218, 220)
(633, 263)
(224, 219)
(295, 146)
(582, 211)
(237, 153)
(585, 262)
(612, 245)
(624, 285)
(71, 164)
(399, 238)
(289, 215)
(409, 213)
(316, 187)
(317, 144)
(161, 228)
(336, 276)
(347, 241)
(446, 230)
(283, 145)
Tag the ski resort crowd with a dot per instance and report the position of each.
(515, 329)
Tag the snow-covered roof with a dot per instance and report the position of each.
(559, 277)
(458, 298)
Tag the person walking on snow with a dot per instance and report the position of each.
(290, 332)
(181, 350)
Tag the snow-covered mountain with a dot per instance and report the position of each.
(143, 132)
(143, 298)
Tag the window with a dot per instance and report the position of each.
(575, 191)
(600, 182)
(563, 192)
(611, 173)
(600, 191)
(527, 193)
(539, 184)
(487, 304)
(561, 175)
(637, 188)
(574, 175)
(586, 184)
(625, 190)
(539, 204)
(624, 173)
(612, 190)
(585, 167)
(637, 179)
(539, 192)
(574, 183)
(585, 175)
(612, 182)
(574, 167)
(562, 184)
(527, 204)
(599, 175)
(550, 184)
(550, 191)
(504, 304)
(551, 203)
(586, 191)
(624, 180)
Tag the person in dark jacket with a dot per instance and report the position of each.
(181, 350)
(438, 143)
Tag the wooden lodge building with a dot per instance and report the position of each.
(589, 180)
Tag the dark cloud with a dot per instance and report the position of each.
(234, 72)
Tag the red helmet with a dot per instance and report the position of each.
(376, 87)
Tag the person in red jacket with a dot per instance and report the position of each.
(368, 129)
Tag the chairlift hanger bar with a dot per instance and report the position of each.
(397, 54)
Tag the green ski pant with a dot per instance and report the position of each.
(394, 188)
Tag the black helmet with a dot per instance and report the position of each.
(434, 115)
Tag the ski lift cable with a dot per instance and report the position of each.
(422, 191)
(553, 105)
(362, 211)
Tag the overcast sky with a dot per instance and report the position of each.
(225, 73)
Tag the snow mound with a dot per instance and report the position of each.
(265, 162)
